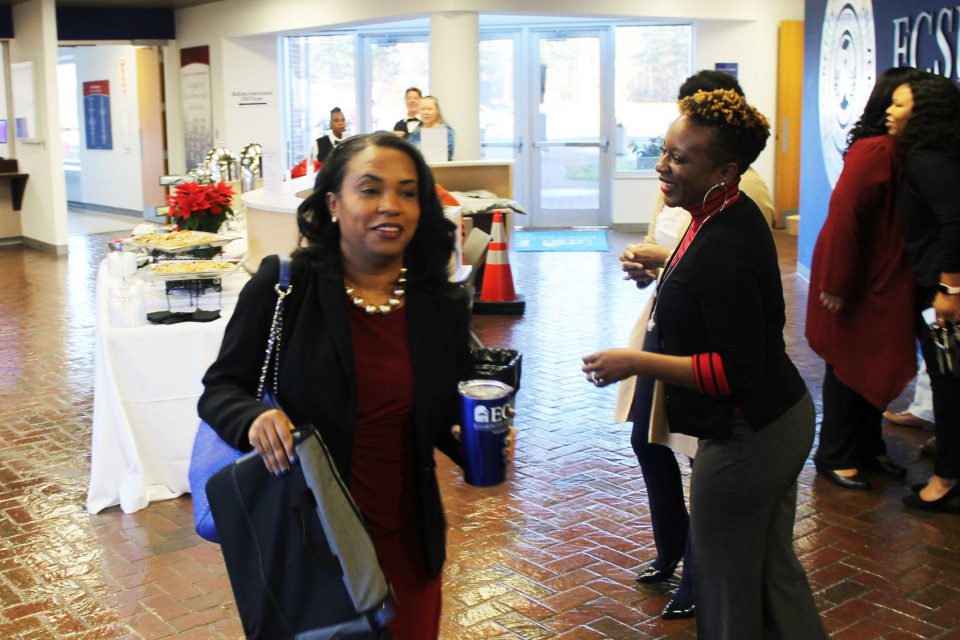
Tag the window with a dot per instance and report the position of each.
(364, 74)
(395, 65)
(69, 116)
(652, 61)
(321, 75)
(497, 101)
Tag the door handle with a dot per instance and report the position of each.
(602, 143)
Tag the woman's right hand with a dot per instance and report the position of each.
(641, 261)
(271, 434)
(833, 303)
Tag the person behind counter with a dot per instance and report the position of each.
(432, 117)
(324, 145)
(728, 380)
(380, 382)
(405, 126)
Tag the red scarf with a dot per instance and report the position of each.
(700, 213)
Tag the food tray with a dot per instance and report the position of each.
(178, 241)
(189, 269)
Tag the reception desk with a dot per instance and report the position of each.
(469, 175)
(271, 218)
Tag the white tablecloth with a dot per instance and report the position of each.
(146, 387)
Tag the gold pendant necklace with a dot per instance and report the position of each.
(392, 303)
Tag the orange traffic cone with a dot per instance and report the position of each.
(498, 295)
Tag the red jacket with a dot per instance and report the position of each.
(859, 256)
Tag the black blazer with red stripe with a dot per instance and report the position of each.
(725, 296)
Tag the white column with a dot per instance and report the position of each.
(44, 215)
(455, 76)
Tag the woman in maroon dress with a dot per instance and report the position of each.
(861, 295)
(375, 341)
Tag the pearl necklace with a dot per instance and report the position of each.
(393, 302)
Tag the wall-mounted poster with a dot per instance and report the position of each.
(96, 114)
(24, 107)
(197, 110)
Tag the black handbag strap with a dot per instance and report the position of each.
(283, 289)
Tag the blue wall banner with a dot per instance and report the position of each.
(727, 67)
(847, 44)
(96, 114)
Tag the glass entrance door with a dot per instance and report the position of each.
(570, 173)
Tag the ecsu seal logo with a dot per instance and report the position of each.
(848, 70)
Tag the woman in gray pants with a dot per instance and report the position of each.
(719, 317)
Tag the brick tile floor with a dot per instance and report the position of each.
(549, 555)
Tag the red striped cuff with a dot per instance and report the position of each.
(708, 371)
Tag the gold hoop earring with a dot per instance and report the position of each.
(706, 196)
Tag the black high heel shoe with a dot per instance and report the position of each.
(888, 468)
(654, 574)
(914, 501)
(678, 610)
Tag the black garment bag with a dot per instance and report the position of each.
(300, 560)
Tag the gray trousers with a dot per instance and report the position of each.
(743, 501)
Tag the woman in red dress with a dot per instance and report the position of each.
(861, 295)
(375, 340)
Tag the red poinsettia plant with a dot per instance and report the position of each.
(300, 169)
(201, 207)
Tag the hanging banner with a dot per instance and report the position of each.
(847, 45)
(96, 114)
(197, 109)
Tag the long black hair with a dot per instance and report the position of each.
(935, 118)
(872, 121)
(428, 253)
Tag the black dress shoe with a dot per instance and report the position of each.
(914, 501)
(654, 574)
(678, 610)
(888, 468)
(854, 482)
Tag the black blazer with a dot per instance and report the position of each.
(324, 147)
(401, 125)
(316, 377)
(930, 213)
(725, 296)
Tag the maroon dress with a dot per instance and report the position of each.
(859, 256)
(382, 479)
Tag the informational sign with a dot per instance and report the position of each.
(727, 67)
(24, 108)
(433, 144)
(96, 114)
(197, 109)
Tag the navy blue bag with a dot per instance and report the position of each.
(210, 452)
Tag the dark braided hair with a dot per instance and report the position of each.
(428, 253)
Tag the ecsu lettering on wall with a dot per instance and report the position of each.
(847, 44)
(928, 40)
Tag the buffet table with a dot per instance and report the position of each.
(146, 387)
